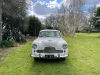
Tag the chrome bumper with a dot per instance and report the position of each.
(43, 55)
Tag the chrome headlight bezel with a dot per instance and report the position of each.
(65, 46)
(34, 46)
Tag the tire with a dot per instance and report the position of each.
(63, 59)
(36, 59)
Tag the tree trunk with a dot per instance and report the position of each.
(0, 20)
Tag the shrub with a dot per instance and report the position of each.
(5, 44)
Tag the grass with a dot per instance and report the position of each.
(84, 59)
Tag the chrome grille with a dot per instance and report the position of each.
(49, 50)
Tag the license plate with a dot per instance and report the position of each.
(49, 56)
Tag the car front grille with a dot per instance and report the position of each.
(49, 50)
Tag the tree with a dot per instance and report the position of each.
(13, 14)
(54, 21)
(1, 20)
(68, 18)
(11, 28)
(95, 20)
(14, 8)
(50, 21)
(33, 26)
(71, 16)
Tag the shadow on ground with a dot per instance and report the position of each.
(49, 60)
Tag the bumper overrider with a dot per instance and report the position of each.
(50, 55)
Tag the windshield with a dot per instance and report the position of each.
(49, 34)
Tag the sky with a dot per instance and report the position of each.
(43, 8)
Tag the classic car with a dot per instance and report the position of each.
(49, 45)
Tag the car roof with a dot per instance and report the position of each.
(49, 30)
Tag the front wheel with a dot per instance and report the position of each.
(36, 59)
(63, 58)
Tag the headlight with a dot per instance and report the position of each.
(34, 46)
(64, 46)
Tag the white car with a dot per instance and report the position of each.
(49, 45)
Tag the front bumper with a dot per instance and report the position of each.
(56, 55)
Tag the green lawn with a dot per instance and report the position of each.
(84, 59)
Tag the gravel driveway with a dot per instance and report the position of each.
(5, 51)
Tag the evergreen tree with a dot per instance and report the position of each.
(95, 21)
(33, 26)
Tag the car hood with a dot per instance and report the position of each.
(49, 42)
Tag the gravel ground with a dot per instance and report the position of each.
(5, 51)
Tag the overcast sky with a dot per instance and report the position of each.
(43, 8)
